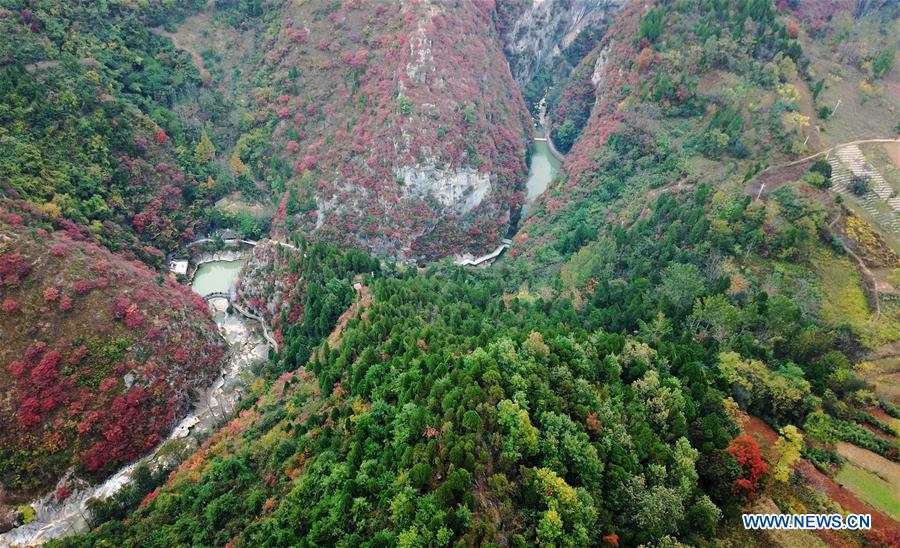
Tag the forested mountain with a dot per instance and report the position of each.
(100, 354)
(380, 125)
(698, 318)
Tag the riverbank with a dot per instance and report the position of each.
(226, 255)
(543, 131)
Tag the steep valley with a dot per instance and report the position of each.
(689, 307)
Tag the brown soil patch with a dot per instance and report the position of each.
(879, 414)
(893, 150)
(759, 429)
(774, 178)
(878, 432)
(848, 501)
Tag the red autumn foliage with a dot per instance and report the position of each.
(120, 307)
(108, 384)
(10, 306)
(746, 451)
(644, 58)
(13, 267)
(308, 162)
(469, 125)
(69, 399)
(59, 250)
(83, 287)
(51, 294)
(793, 30)
(151, 496)
(300, 36)
(17, 368)
(133, 317)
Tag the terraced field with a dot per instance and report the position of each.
(873, 478)
(881, 203)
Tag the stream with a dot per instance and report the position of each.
(210, 410)
(543, 168)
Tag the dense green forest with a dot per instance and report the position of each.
(693, 322)
(447, 392)
(450, 390)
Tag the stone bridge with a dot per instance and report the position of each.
(217, 295)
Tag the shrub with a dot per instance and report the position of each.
(817, 180)
(822, 167)
(860, 186)
(10, 306)
(51, 294)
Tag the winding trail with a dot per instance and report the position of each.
(759, 191)
(876, 297)
(261, 321)
(232, 241)
(763, 189)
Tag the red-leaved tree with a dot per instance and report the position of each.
(746, 452)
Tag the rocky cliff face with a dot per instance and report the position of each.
(397, 127)
(539, 30)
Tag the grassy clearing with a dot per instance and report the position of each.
(237, 203)
(844, 302)
(885, 469)
(870, 488)
(843, 299)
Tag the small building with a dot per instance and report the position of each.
(178, 266)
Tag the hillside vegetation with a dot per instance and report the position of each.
(378, 125)
(100, 355)
(88, 132)
(676, 336)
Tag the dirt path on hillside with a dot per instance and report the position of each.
(847, 500)
(870, 283)
(773, 177)
(767, 436)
